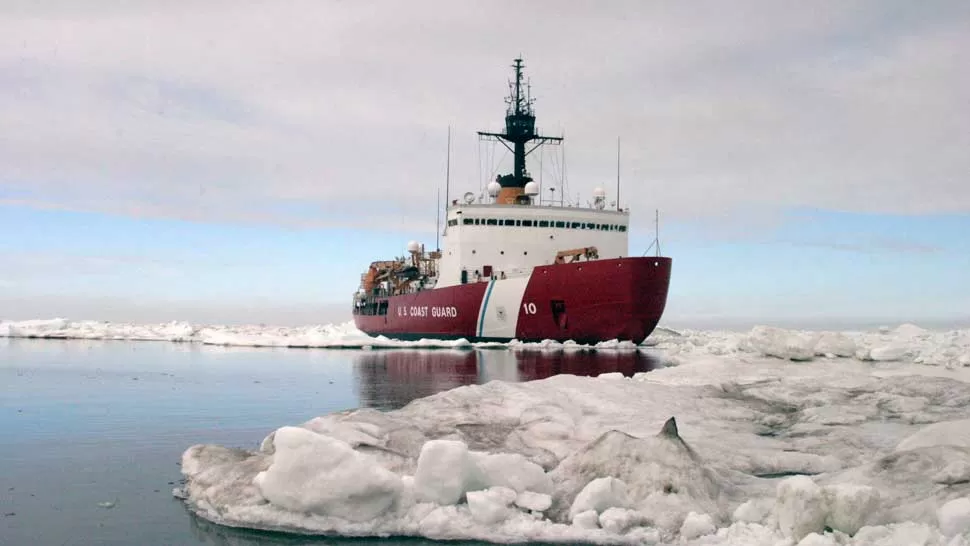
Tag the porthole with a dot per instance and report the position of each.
(473, 251)
(501, 252)
(525, 252)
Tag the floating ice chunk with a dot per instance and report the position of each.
(909, 331)
(321, 475)
(834, 343)
(536, 502)
(947, 433)
(801, 507)
(586, 520)
(614, 376)
(445, 472)
(514, 471)
(753, 511)
(697, 525)
(850, 506)
(887, 353)
(600, 494)
(899, 534)
(490, 506)
(782, 343)
(954, 517)
(440, 521)
(620, 520)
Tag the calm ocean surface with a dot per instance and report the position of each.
(84, 424)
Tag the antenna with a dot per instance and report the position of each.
(564, 186)
(540, 177)
(447, 170)
(656, 234)
(520, 130)
(617, 173)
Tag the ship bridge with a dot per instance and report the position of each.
(486, 241)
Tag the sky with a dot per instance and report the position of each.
(243, 161)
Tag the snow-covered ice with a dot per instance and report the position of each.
(905, 343)
(730, 446)
(778, 437)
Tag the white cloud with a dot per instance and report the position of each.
(324, 113)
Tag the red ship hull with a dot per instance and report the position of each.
(586, 302)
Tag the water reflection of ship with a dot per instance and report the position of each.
(388, 379)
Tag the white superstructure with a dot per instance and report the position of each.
(505, 241)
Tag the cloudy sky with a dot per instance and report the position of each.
(242, 161)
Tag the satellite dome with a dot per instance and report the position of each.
(532, 188)
(494, 188)
(414, 246)
(599, 192)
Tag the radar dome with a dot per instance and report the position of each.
(599, 198)
(469, 197)
(414, 246)
(532, 188)
(494, 188)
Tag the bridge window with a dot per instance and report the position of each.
(560, 224)
(510, 222)
(518, 222)
(467, 221)
(622, 228)
(452, 222)
(575, 225)
(604, 227)
(543, 223)
(491, 221)
(526, 223)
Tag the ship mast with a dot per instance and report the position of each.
(520, 130)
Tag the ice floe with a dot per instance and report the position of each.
(905, 343)
(761, 451)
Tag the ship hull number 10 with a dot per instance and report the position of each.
(427, 311)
